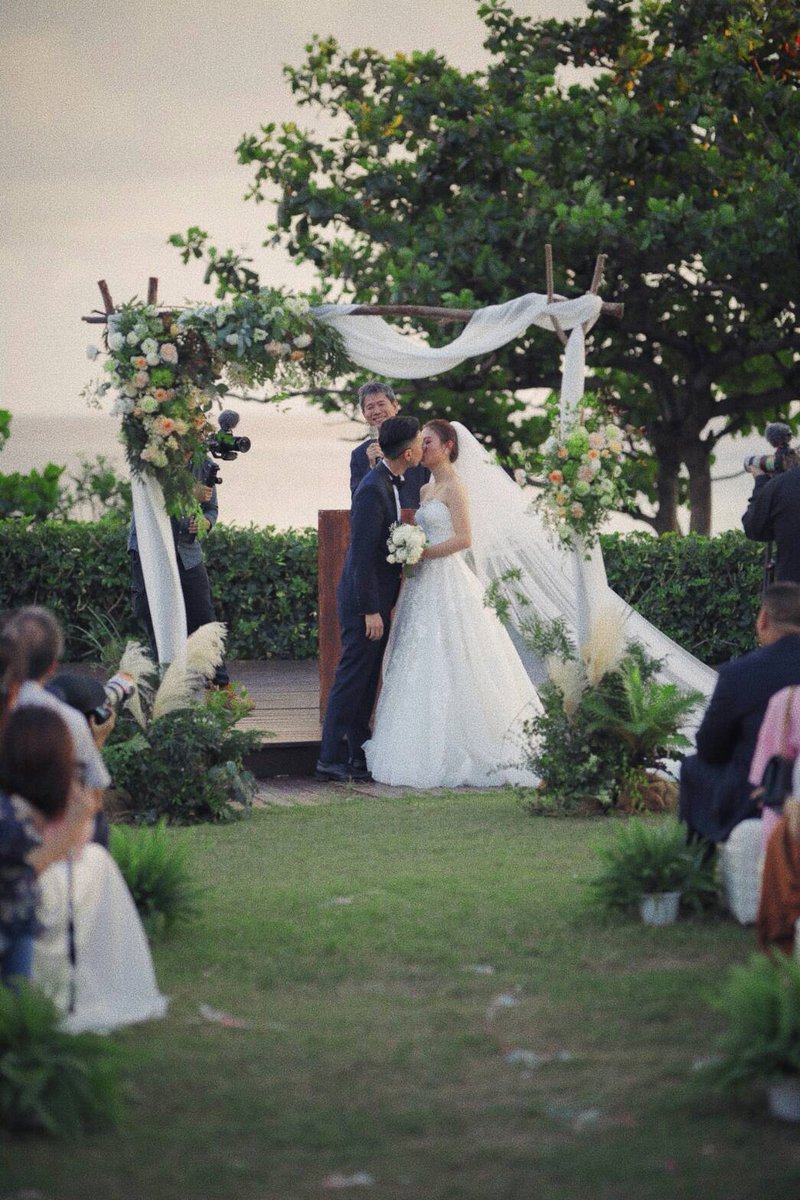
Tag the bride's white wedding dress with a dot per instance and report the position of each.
(455, 694)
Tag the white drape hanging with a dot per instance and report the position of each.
(159, 567)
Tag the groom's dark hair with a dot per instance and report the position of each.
(396, 434)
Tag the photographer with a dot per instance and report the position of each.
(773, 513)
(195, 584)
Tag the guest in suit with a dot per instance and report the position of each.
(715, 794)
(378, 403)
(365, 598)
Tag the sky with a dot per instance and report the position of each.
(120, 123)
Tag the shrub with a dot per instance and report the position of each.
(154, 868)
(650, 856)
(264, 584)
(58, 1082)
(186, 766)
(761, 1001)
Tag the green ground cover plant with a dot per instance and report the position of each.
(426, 995)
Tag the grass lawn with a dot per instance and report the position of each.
(355, 940)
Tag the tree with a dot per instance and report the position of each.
(678, 156)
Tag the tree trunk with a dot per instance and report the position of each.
(669, 463)
(697, 456)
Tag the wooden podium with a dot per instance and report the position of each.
(333, 531)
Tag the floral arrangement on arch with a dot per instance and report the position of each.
(168, 369)
(581, 472)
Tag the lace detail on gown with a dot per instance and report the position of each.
(455, 693)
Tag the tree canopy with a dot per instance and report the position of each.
(675, 151)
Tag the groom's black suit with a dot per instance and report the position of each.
(369, 584)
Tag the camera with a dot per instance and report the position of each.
(118, 689)
(225, 445)
(785, 457)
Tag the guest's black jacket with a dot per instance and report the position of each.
(773, 515)
(729, 730)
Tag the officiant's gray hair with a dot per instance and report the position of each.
(375, 388)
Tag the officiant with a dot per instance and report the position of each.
(378, 402)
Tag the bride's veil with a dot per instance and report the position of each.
(508, 535)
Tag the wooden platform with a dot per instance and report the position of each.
(286, 712)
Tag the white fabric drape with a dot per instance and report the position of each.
(376, 346)
(159, 567)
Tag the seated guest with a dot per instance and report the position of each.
(715, 792)
(378, 402)
(38, 635)
(36, 772)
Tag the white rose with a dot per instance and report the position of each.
(132, 339)
(302, 341)
(154, 358)
(115, 341)
(149, 346)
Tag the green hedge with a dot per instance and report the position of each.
(703, 592)
(264, 584)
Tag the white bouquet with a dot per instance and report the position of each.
(405, 543)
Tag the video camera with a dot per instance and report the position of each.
(224, 445)
(785, 457)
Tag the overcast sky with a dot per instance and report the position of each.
(120, 123)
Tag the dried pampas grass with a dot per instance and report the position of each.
(605, 648)
(185, 678)
(137, 663)
(570, 678)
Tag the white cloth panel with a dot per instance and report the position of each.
(159, 567)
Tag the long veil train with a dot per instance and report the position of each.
(507, 534)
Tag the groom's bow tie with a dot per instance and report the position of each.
(395, 480)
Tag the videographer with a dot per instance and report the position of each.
(195, 584)
(773, 513)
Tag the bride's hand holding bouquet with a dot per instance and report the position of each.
(405, 544)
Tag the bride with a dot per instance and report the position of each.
(455, 693)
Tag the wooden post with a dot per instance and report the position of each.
(333, 531)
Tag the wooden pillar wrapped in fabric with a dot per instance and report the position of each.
(333, 532)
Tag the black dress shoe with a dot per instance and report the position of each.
(334, 772)
(360, 771)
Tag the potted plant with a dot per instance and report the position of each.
(649, 865)
(761, 1001)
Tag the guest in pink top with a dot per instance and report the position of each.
(771, 741)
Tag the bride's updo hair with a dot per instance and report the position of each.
(445, 433)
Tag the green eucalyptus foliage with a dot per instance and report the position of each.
(156, 871)
(761, 1003)
(59, 1083)
(677, 155)
(647, 856)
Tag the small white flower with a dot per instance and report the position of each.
(232, 339)
(115, 341)
(149, 346)
(154, 358)
(132, 338)
(92, 353)
(302, 341)
(260, 335)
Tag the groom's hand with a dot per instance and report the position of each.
(374, 625)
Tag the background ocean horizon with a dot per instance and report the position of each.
(298, 463)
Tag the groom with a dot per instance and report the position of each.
(366, 595)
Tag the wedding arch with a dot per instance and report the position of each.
(168, 366)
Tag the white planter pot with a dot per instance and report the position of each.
(784, 1098)
(661, 908)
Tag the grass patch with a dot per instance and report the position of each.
(346, 936)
